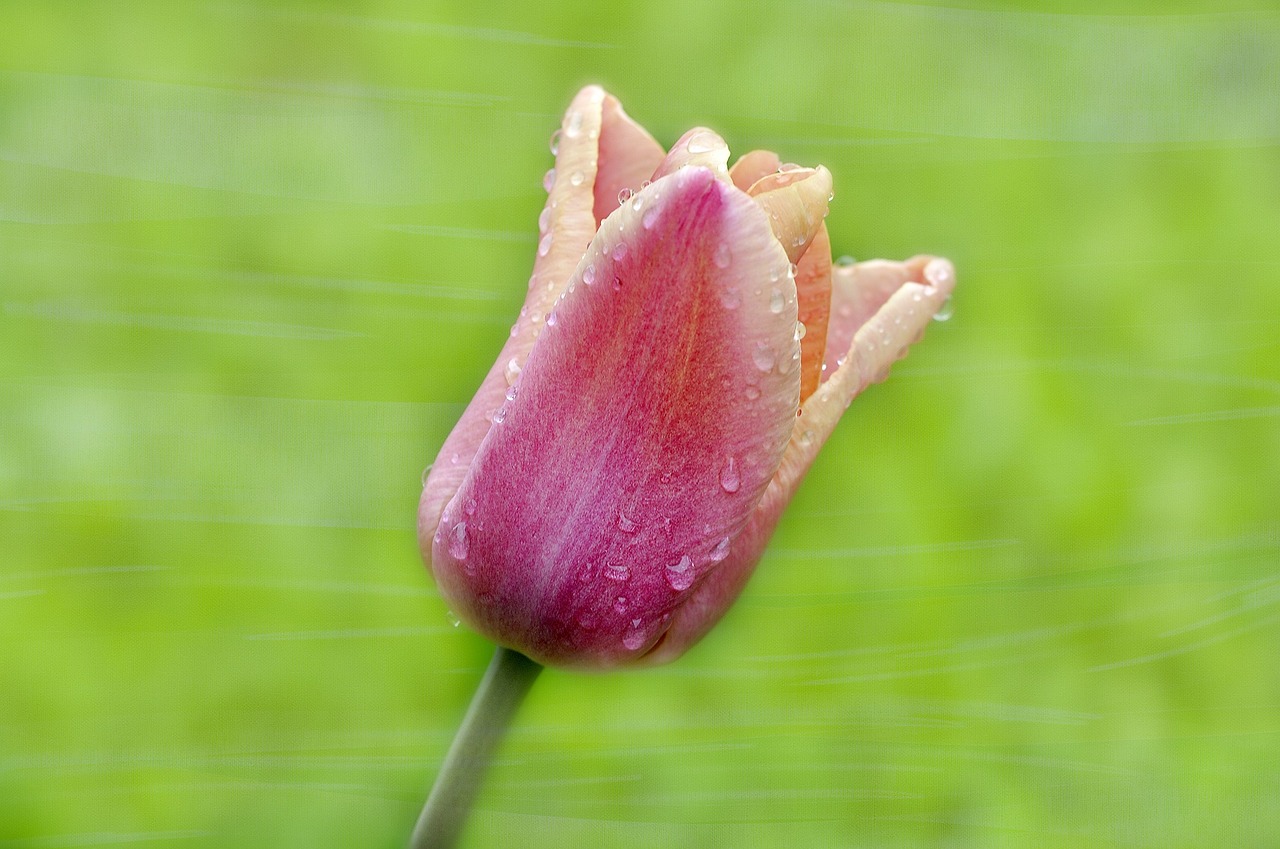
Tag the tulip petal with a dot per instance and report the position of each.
(698, 147)
(628, 155)
(567, 223)
(813, 295)
(884, 336)
(639, 438)
(753, 165)
(796, 201)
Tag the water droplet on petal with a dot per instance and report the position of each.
(544, 245)
(792, 270)
(788, 166)
(801, 330)
(637, 202)
(650, 217)
(549, 179)
(554, 144)
(577, 178)
(722, 256)
(721, 551)
(552, 319)
(624, 195)
(617, 572)
(776, 302)
(574, 127)
(426, 473)
(470, 507)
(633, 639)
(589, 275)
(620, 252)
(764, 357)
(806, 438)
(459, 544)
(680, 575)
(753, 392)
(453, 618)
(845, 261)
(544, 219)
(945, 311)
(730, 297)
(626, 524)
(730, 479)
(500, 416)
(512, 371)
(620, 604)
(701, 143)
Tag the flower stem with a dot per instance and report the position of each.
(503, 688)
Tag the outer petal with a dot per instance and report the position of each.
(753, 165)
(639, 438)
(628, 155)
(698, 147)
(901, 315)
(813, 290)
(597, 143)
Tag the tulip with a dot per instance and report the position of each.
(685, 349)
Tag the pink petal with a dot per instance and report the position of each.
(647, 423)
(924, 284)
(698, 147)
(628, 155)
(570, 223)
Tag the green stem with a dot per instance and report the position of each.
(503, 688)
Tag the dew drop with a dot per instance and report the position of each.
(512, 371)
(721, 551)
(753, 392)
(554, 144)
(626, 524)
(722, 256)
(775, 301)
(513, 392)
(453, 618)
(620, 252)
(633, 639)
(574, 127)
(764, 358)
(620, 604)
(586, 621)
(680, 575)
(586, 573)
(470, 507)
(624, 195)
(700, 143)
(549, 179)
(730, 297)
(617, 572)
(788, 166)
(552, 319)
(945, 311)
(459, 544)
(544, 245)
(730, 479)
(589, 275)
(426, 473)
(806, 438)
(845, 261)
(650, 217)
(500, 416)
(801, 330)
(544, 219)
(792, 270)
(637, 202)
(577, 178)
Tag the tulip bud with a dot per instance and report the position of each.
(610, 488)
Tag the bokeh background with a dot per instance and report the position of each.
(254, 257)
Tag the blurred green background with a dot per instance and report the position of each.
(254, 258)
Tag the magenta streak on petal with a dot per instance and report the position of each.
(606, 473)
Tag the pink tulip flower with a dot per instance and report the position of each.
(685, 349)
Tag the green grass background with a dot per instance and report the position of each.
(254, 258)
